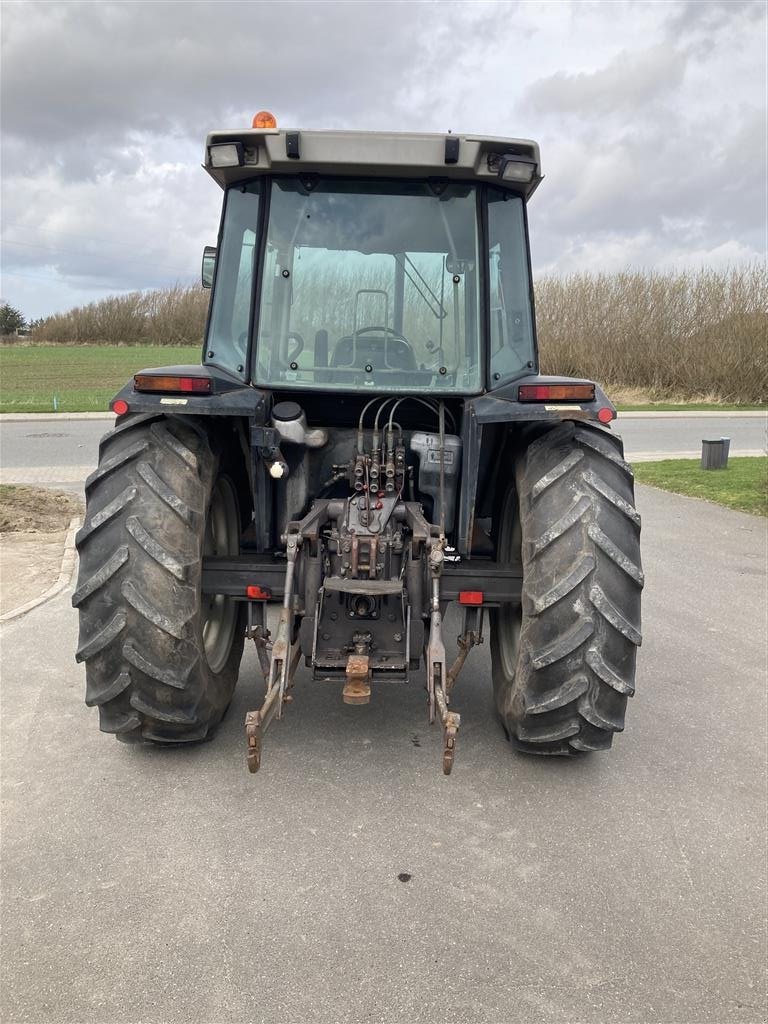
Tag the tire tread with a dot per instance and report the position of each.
(582, 579)
(138, 591)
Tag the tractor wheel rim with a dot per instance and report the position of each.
(510, 615)
(222, 537)
(509, 645)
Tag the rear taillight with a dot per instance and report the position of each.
(556, 393)
(168, 382)
(471, 597)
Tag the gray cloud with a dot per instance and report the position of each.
(650, 116)
(696, 18)
(168, 68)
(627, 83)
(657, 157)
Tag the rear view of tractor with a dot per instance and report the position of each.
(366, 440)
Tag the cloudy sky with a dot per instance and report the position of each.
(651, 118)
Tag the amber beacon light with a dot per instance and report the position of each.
(264, 120)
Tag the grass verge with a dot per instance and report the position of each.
(76, 378)
(742, 486)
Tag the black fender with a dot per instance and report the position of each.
(497, 420)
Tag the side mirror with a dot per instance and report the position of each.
(209, 264)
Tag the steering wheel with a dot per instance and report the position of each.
(402, 347)
(383, 330)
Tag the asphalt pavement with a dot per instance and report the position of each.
(60, 452)
(671, 435)
(159, 885)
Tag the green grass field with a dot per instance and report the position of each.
(83, 378)
(75, 378)
(743, 485)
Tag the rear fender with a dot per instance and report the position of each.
(228, 395)
(494, 424)
(235, 409)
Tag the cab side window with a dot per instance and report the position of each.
(231, 313)
(512, 344)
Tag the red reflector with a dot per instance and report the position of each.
(166, 382)
(556, 393)
(120, 407)
(605, 415)
(470, 597)
(257, 593)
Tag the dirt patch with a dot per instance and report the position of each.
(36, 510)
(33, 528)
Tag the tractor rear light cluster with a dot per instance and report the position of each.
(556, 393)
(157, 382)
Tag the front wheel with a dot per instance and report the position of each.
(564, 660)
(161, 657)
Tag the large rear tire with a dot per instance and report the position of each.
(161, 658)
(564, 661)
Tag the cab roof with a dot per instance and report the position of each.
(256, 152)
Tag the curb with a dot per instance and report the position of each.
(692, 455)
(45, 476)
(66, 572)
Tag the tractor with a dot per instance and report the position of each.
(366, 439)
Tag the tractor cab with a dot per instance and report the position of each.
(354, 261)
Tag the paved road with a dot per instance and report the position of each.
(170, 886)
(61, 452)
(656, 435)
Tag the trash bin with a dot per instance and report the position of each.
(714, 454)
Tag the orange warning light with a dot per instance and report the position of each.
(264, 120)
